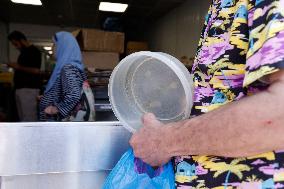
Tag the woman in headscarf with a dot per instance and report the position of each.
(63, 91)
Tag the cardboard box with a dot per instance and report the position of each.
(100, 60)
(98, 40)
(136, 46)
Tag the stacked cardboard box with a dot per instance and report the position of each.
(100, 49)
(136, 46)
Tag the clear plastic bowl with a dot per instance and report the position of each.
(150, 82)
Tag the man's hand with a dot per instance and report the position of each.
(51, 110)
(16, 66)
(30, 70)
(149, 143)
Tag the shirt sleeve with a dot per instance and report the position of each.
(266, 40)
(71, 87)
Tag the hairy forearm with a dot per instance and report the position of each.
(248, 127)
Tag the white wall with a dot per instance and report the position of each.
(33, 33)
(178, 32)
(3, 43)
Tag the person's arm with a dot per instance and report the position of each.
(33, 62)
(18, 67)
(248, 127)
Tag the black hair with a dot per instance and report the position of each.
(17, 36)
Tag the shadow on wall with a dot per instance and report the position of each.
(178, 32)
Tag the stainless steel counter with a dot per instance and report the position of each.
(59, 155)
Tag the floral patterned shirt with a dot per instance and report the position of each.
(242, 41)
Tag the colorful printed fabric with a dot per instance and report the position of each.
(242, 41)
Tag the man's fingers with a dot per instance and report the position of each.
(132, 141)
(138, 150)
(150, 119)
(142, 155)
(152, 162)
(147, 117)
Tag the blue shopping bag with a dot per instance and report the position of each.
(132, 173)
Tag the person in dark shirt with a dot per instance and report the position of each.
(27, 76)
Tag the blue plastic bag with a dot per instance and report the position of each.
(132, 173)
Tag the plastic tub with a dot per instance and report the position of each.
(150, 82)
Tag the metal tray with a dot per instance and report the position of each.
(59, 155)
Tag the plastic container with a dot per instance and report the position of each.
(150, 82)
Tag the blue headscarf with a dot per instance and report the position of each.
(67, 52)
